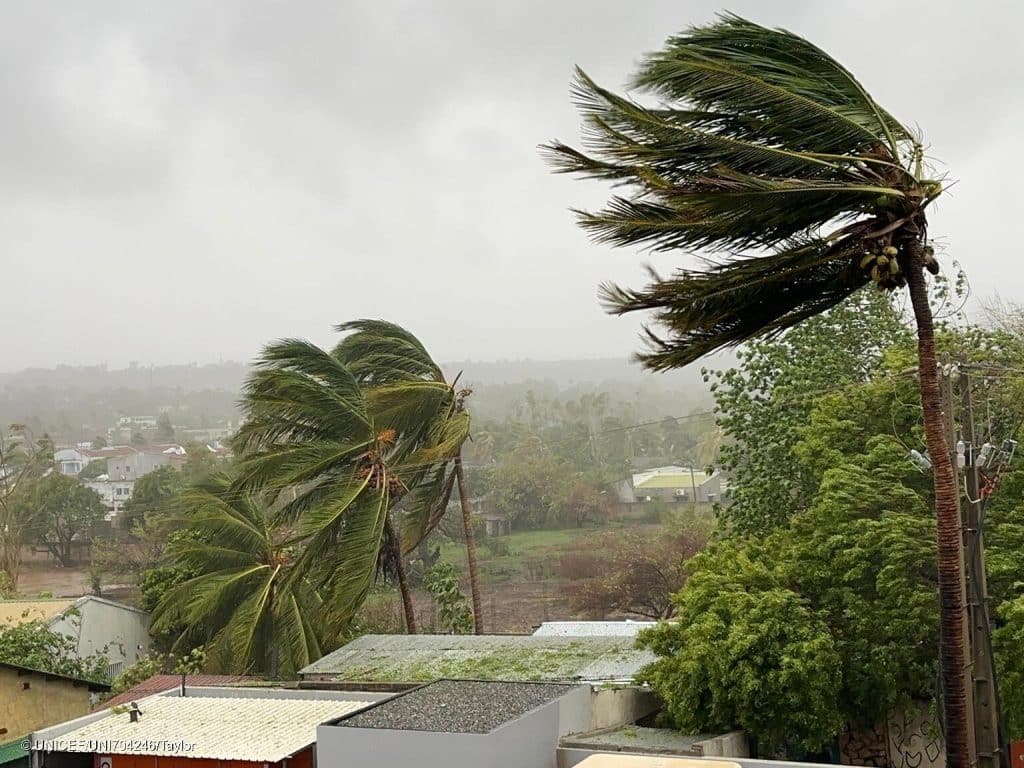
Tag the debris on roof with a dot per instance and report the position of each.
(412, 658)
(264, 729)
(457, 706)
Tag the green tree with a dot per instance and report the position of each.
(768, 149)
(442, 582)
(23, 461)
(764, 401)
(154, 495)
(245, 602)
(747, 652)
(860, 563)
(65, 510)
(33, 644)
(99, 442)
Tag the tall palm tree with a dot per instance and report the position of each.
(764, 148)
(329, 460)
(384, 357)
(244, 602)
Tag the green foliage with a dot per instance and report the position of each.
(859, 561)
(190, 663)
(748, 653)
(765, 402)
(442, 582)
(154, 495)
(33, 644)
(63, 509)
(246, 603)
(1007, 642)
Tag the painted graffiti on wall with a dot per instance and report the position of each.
(908, 739)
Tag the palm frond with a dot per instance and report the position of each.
(380, 352)
(355, 560)
(731, 302)
(806, 98)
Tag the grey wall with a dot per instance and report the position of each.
(338, 747)
(135, 465)
(124, 631)
(529, 741)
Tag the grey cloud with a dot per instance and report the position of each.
(187, 180)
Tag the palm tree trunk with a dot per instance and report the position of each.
(467, 527)
(395, 548)
(952, 655)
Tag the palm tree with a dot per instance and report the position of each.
(329, 460)
(387, 359)
(245, 601)
(768, 151)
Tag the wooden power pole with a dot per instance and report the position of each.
(987, 743)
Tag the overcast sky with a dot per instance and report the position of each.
(184, 181)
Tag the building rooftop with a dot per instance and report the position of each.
(13, 612)
(261, 730)
(456, 706)
(669, 477)
(414, 658)
(625, 628)
(161, 683)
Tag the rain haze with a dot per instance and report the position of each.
(186, 181)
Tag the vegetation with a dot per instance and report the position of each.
(33, 644)
(770, 151)
(60, 511)
(23, 462)
(442, 582)
(159, 664)
(244, 603)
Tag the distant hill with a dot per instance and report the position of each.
(75, 403)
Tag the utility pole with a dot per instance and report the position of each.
(987, 742)
(949, 412)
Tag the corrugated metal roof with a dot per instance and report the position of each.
(410, 658)
(261, 729)
(161, 683)
(14, 612)
(627, 628)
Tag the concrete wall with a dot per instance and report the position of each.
(123, 630)
(135, 465)
(338, 747)
(46, 701)
(612, 707)
(529, 741)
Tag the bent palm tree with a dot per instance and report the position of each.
(312, 443)
(245, 602)
(386, 358)
(769, 151)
